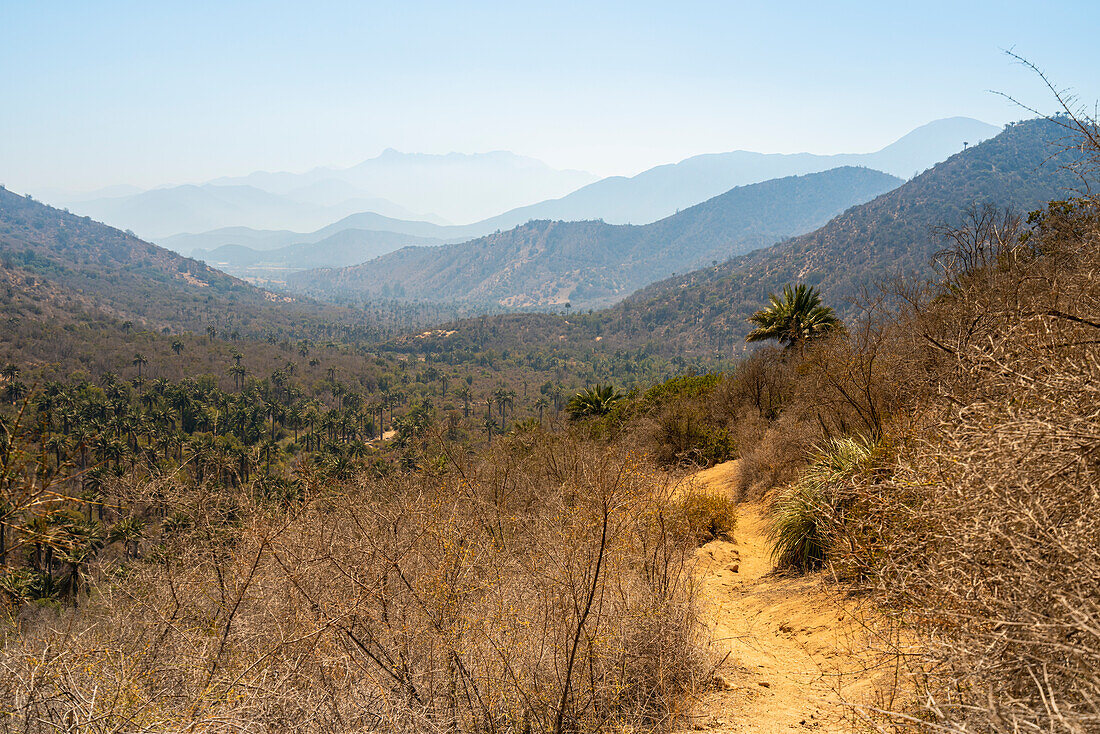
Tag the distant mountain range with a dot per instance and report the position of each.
(164, 212)
(472, 188)
(661, 191)
(345, 247)
(592, 263)
(459, 187)
(647, 197)
(397, 185)
(1022, 168)
(199, 245)
(354, 239)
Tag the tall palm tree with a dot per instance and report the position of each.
(129, 531)
(793, 319)
(503, 398)
(139, 361)
(15, 390)
(463, 393)
(540, 405)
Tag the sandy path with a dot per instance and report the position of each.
(796, 649)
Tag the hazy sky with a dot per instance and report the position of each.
(150, 92)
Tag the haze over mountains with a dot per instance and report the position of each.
(661, 191)
(415, 189)
(163, 212)
(592, 263)
(643, 198)
(432, 188)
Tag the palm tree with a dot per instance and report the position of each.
(139, 361)
(593, 401)
(177, 346)
(129, 531)
(15, 390)
(540, 404)
(238, 374)
(463, 393)
(794, 319)
(489, 425)
(82, 540)
(503, 399)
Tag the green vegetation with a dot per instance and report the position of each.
(593, 401)
(794, 319)
(804, 514)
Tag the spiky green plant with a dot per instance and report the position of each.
(593, 401)
(804, 517)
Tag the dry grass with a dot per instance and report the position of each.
(543, 589)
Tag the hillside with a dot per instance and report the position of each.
(892, 234)
(591, 263)
(61, 268)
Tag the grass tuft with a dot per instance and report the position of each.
(804, 515)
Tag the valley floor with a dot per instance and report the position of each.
(797, 655)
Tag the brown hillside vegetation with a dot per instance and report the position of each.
(978, 526)
(544, 588)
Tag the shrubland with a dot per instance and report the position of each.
(542, 586)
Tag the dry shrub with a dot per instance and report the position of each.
(762, 382)
(984, 533)
(775, 455)
(683, 434)
(542, 589)
(703, 515)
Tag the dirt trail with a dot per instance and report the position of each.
(796, 649)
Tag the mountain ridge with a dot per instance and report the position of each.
(662, 190)
(894, 234)
(548, 263)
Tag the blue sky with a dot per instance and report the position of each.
(101, 93)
